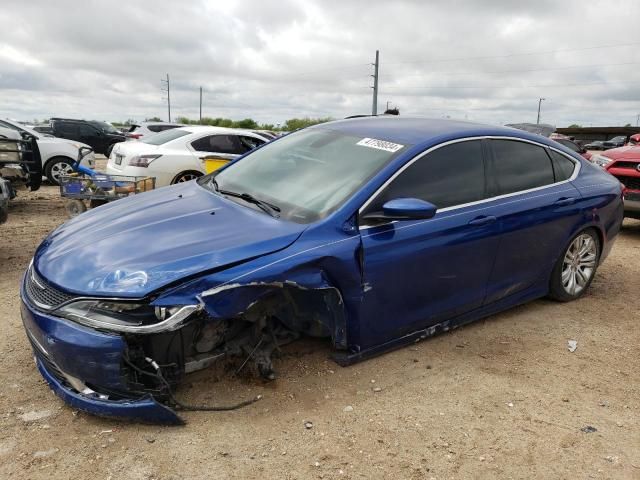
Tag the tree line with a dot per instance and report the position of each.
(248, 123)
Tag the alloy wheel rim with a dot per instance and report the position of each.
(579, 264)
(59, 169)
(187, 177)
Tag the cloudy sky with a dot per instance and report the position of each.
(485, 61)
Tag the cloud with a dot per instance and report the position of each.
(488, 61)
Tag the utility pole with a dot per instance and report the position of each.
(637, 120)
(168, 95)
(539, 104)
(374, 107)
(200, 105)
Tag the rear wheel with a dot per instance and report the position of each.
(186, 177)
(575, 269)
(57, 167)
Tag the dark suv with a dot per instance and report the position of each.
(101, 136)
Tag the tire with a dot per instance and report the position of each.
(186, 176)
(576, 267)
(75, 208)
(57, 167)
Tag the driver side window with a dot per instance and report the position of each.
(448, 176)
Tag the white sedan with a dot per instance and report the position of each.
(179, 155)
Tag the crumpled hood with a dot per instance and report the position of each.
(133, 246)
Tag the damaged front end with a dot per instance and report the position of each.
(124, 358)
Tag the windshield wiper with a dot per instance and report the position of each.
(247, 197)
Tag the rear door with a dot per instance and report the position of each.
(421, 272)
(536, 207)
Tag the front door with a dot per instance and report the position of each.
(420, 272)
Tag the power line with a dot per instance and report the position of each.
(456, 87)
(549, 52)
(441, 72)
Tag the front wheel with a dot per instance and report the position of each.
(185, 177)
(56, 168)
(575, 269)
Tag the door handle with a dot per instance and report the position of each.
(565, 201)
(484, 220)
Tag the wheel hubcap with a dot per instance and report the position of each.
(60, 169)
(579, 264)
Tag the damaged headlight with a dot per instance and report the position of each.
(126, 317)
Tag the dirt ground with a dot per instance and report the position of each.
(502, 398)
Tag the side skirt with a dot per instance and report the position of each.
(345, 359)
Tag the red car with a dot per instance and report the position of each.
(624, 164)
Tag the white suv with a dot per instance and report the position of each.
(146, 129)
(57, 153)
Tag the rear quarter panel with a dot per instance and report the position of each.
(602, 200)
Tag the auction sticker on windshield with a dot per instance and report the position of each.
(380, 144)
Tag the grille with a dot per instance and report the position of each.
(622, 164)
(42, 294)
(632, 183)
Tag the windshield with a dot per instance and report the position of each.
(308, 174)
(166, 136)
(13, 126)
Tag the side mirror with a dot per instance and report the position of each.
(405, 209)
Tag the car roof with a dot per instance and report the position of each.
(417, 130)
(208, 129)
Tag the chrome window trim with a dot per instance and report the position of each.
(576, 171)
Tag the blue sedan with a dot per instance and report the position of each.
(369, 232)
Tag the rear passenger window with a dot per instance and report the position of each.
(156, 128)
(519, 166)
(451, 175)
(219, 144)
(562, 166)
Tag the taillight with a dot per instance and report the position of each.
(135, 136)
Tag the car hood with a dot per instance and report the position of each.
(631, 152)
(57, 140)
(134, 246)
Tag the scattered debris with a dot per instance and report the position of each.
(308, 425)
(34, 416)
(377, 389)
(348, 408)
(565, 399)
(150, 439)
(44, 453)
(106, 431)
(510, 404)
(611, 458)
(572, 345)
(589, 429)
